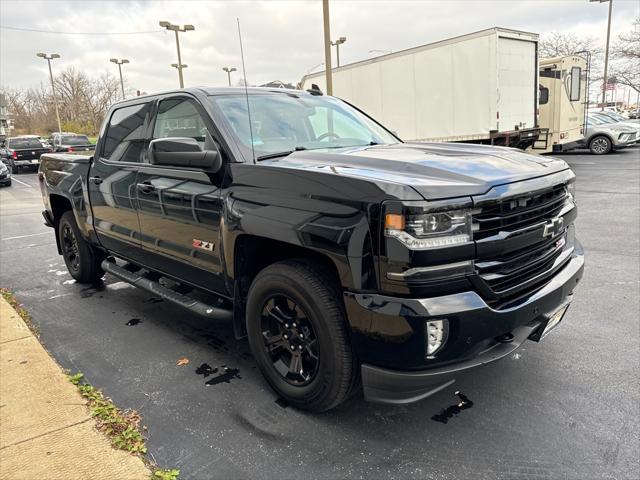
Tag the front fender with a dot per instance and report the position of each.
(339, 232)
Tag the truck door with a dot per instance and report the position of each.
(179, 208)
(112, 180)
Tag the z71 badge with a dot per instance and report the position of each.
(202, 245)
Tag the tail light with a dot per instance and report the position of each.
(14, 155)
(69, 149)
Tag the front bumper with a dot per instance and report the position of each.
(388, 334)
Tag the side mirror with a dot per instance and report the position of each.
(183, 152)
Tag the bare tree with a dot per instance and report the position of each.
(626, 58)
(559, 44)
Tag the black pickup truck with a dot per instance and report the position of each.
(24, 152)
(71, 142)
(347, 257)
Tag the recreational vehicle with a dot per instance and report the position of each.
(563, 98)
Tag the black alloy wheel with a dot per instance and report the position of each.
(289, 340)
(70, 249)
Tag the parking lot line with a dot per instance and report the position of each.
(25, 236)
(22, 183)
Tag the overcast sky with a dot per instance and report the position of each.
(282, 39)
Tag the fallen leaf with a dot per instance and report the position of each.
(183, 361)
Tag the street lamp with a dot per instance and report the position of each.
(48, 57)
(337, 44)
(314, 67)
(606, 53)
(176, 29)
(119, 63)
(229, 70)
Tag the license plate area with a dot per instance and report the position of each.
(551, 322)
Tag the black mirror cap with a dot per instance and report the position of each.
(183, 152)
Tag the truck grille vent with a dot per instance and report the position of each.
(520, 212)
(520, 272)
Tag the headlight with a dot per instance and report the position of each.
(427, 230)
(571, 190)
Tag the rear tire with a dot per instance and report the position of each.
(82, 260)
(600, 145)
(298, 336)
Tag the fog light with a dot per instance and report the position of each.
(436, 333)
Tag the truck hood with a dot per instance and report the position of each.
(434, 170)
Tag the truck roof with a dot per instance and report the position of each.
(216, 91)
(508, 32)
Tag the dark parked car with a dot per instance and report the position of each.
(71, 142)
(346, 256)
(5, 175)
(24, 152)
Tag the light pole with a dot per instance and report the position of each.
(179, 67)
(176, 29)
(119, 63)
(48, 57)
(229, 70)
(327, 46)
(337, 44)
(606, 53)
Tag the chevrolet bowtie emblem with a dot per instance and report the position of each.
(553, 227)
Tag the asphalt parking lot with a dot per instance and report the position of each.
(565, 408)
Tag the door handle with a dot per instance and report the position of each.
(146, 187)
(96, 180)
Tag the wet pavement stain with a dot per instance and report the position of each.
(225, 377)
(205, 370)
(133, 322)
(445, 414)
(90, 291)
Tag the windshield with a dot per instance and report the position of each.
(615, 116)
(74, 140)
(282, 122)
(603, 118)
(18, 143)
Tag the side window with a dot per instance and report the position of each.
(544, 95)
(179, 117)
(124, 137)
(574, 93)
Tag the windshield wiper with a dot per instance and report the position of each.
(280, 154)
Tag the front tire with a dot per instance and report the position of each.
(298, 335)
(600, 145)
(82, 260)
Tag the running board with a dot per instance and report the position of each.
(165, 293)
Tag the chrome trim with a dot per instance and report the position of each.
(435, 268)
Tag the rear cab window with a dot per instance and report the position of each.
(124, 138)
(21, 143)
(75, 140)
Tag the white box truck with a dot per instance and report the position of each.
(481, 87)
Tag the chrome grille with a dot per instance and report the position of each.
(520, 271)
(519, 212)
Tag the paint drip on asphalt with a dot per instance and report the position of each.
(445, 414)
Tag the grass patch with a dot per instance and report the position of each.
(121, 426)
(26, 317)
(162, 474)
